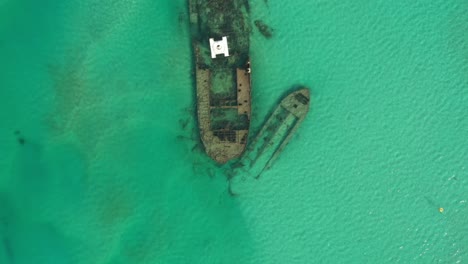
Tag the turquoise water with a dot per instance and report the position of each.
(111, 170)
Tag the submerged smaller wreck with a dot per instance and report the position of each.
(220, 32)
(264, 29)
(272, 138)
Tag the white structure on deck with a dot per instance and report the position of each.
(219, 47)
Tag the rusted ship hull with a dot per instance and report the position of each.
(222, 83)
(272, 138)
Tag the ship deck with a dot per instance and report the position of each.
(223, 84)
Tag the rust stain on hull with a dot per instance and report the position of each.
(223, 83)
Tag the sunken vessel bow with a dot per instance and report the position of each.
(220, 39)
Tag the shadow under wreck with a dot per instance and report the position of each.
(220, 32)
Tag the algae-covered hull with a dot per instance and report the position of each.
(220, 32)
(275, 134)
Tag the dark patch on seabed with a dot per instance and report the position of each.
(8, 250)
(189, 126)
(20, 138)
(6, 219)
(263, 28)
